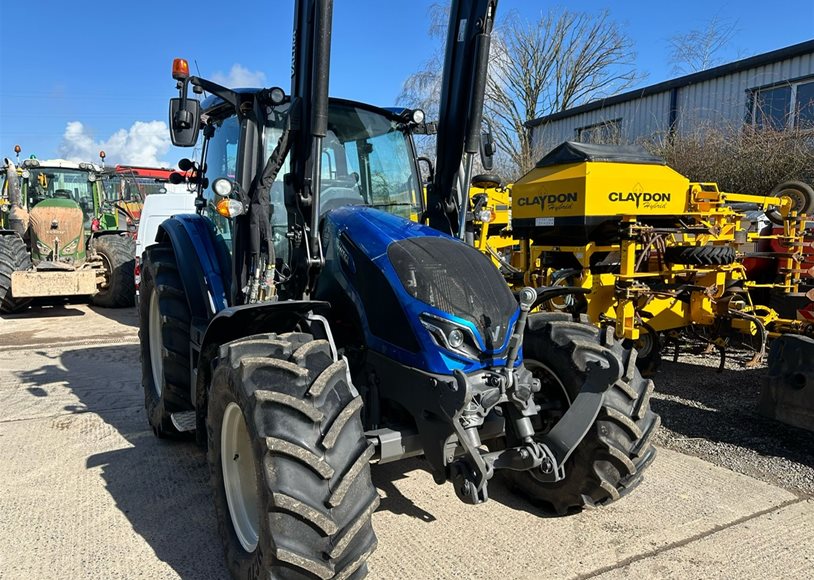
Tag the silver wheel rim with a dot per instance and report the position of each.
(239, 479)
(535, 367)
(156, 358)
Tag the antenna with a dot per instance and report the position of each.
(198, 70)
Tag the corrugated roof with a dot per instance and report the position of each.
(718, 71)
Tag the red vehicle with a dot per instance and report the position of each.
(128, 185)
(764, 268)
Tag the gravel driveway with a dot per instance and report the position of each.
(712, 415)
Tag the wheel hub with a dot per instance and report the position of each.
(239, 478)
(557, 397)
(156, 344)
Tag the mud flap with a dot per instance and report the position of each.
(788, 393)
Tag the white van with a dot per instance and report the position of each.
(158, 208)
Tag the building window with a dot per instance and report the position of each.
(783, 107)
(606, 132)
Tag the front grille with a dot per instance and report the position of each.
(457, 279)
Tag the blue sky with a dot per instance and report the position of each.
(76, 75)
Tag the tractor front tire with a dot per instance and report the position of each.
(14, 257)
(164, 323)
(610, 460)
(289, 462)
(118, 255)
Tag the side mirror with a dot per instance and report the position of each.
(487, 150)
(430, 169)
(185, 119)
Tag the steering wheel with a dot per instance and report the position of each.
(63, 193)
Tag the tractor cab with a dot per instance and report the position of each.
(368, 159)
(75, 183)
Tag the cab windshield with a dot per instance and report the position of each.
(366, 160)
(135, 189)
(50, 183)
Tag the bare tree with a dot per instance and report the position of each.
(700, 49)
(537, 68)
(557, 62)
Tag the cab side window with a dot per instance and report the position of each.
(221, 161)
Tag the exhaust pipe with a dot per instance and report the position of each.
(18, 216)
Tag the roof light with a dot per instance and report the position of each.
(418, 116)
(180, 69)
(102, 154)
(17, 149)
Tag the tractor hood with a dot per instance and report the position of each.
(56, 227)
(422, 297)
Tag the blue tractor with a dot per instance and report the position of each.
(304, 326)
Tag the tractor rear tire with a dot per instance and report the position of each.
(611, 459)
(289, 462)
(164, 333)
(699, 255)
(14, 257)
(118, 255)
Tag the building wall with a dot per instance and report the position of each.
(721, 101)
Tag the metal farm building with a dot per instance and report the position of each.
(774, 89)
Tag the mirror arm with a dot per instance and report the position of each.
(228, 95)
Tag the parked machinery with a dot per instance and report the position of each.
(652, 253)
(54, 237)
(303, 326)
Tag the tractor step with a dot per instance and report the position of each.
(184, 421)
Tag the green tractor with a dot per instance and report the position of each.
(59, 236)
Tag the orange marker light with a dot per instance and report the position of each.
(102, 154)
(180, 69)
(17, 149)
(229, 208)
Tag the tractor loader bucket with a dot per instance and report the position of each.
(788, 394)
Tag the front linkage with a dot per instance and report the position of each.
(481, 406)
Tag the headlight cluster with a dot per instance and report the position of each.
(70, 248)
(451, 336)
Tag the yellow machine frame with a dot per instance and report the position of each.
(644, 292)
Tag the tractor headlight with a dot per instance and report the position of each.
(455, 338)
(451, 336)
(223, 187)
(277, 95)
(70, 248)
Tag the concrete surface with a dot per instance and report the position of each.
(86, 491)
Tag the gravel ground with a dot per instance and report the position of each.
(712, 415)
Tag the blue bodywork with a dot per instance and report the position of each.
(199, 260)
(372, 231)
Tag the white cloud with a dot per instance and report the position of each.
(144, 143)
(239, 77)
